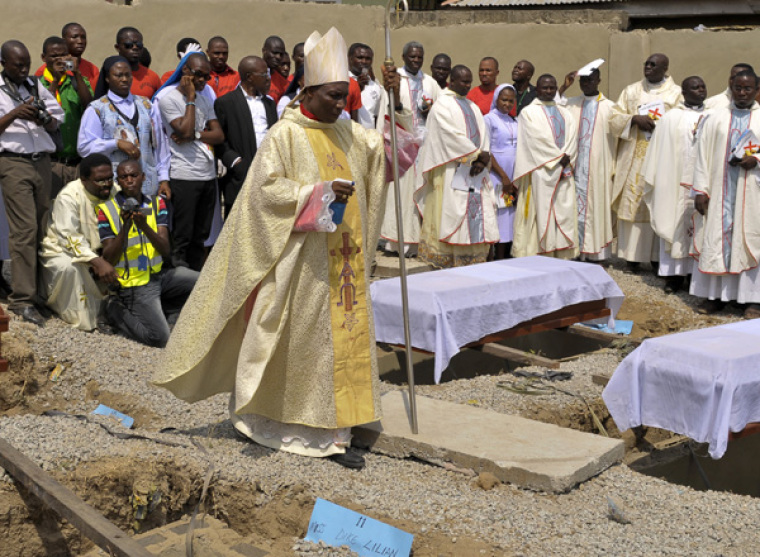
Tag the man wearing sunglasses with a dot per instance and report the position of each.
(129, 44)
(74, 275)
(191, 125)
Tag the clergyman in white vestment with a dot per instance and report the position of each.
(635, 115)
(546, 219)
(668, 174)
(727, 236)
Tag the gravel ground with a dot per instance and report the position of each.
(663, 518)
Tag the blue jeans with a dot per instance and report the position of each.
(143, 313)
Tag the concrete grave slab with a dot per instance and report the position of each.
(523, 452)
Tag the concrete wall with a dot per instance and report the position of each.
(555, 49)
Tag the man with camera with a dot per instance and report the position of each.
(73, 92)
(28, 115)
(134, 232)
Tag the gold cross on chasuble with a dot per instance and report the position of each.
(349, 317)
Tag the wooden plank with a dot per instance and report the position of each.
(68, 505)
(4, 325)
(587, 332)
(520, 356)
(600, 379)
(751, 429)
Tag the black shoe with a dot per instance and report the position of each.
(30, 314)
(655, 266)
(632, 267)
(45, 311)
(673, 284)
(349, 459)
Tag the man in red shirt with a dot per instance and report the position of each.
(76, 41)
(129, 44)
(223, 78)
(273, 53)
(482, 95)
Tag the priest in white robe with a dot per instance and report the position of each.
(668, 174)
(456, 196)
(594, 168)
(723, 100)
(727, 232)
(546, 218)
(418, 93)
(281, 315)
(635, 116)
(68, 253)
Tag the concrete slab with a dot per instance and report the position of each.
(523, 452)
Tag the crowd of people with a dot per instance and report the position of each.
(120, 187)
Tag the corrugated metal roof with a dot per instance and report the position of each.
(506, 3)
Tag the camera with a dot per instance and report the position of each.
(68, 65)
(131, 205)
(42, 114)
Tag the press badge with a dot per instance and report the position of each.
(142, 263)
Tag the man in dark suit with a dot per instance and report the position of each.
(245, 114)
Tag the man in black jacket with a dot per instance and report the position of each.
(245, 114)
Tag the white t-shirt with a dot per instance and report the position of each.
(193, 160)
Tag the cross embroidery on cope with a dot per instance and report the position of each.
(347, 289)
(74, 245)
(332, 162)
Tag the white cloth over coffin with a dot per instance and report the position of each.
(701, 384)
(451, 308)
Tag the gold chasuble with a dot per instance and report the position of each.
(305, 354)
(348, 292)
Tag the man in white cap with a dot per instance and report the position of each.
(281, 315)
(595, 165)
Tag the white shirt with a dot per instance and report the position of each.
(26, 136)
(258, 115)
(371, 96)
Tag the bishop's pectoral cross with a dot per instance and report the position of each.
(347, 289)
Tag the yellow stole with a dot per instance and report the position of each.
(352, 377)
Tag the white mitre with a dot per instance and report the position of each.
(325, 58)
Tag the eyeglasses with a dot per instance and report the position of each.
(103, 183)
(201, 75)
(130, 46)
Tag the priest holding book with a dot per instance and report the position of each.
(727, 232)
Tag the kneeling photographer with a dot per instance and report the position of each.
(134, 232)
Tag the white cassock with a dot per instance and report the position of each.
(546, 218)
(721, 100)
(411, 92)
(727, 239)
(668, 173)
(636, 239)
(69, 245)
(459, 222)
(594, 171)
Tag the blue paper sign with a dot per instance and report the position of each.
(104, 410)
(336, 526)
(622, 327)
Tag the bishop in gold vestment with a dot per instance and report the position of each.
(282, 319)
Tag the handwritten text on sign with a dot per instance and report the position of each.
(336, 526)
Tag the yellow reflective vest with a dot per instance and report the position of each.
(139, 259)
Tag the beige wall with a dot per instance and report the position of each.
(554, 49)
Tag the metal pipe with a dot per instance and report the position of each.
(399, 224)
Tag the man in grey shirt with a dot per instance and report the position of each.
(191, 125)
